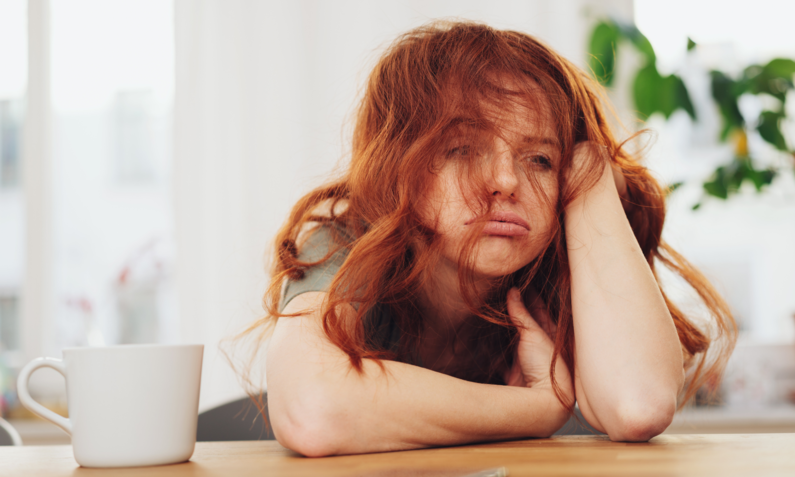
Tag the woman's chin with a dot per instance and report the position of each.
(498, 256)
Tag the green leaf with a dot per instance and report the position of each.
(774, 78)
(647, 91)
(654, 93)
(682, 97)
(672, 187)
(666, 96)
(726, 180)
(759, 178)
(726, 92)
(604, 41)
(718, 185)
(781, 67)
(690, 44)
(770, 129)
(639, 40)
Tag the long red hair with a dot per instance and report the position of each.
(430, 81)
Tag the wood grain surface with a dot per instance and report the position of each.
(666, 455)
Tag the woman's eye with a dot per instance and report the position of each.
(463, 151)
(540, 160)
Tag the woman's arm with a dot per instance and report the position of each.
(320, 406)
(628, 360)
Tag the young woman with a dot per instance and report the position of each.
(487, 260)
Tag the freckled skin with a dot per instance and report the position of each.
(508, 162)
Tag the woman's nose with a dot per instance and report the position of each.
(503, 181)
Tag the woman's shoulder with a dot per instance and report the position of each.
(324, 248)
(320, 239)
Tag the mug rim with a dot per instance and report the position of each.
(131, 346)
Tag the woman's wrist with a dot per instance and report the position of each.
(603, 192)
(555, 412)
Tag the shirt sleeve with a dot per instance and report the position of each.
(380, 326)
(317, 278)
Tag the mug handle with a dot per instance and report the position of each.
(33, 406)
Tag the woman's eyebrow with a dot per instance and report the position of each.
(551, 141)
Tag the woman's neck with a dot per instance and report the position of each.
(443, 306)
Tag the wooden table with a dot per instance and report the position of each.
(666, 455)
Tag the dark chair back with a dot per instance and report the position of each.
(234, 421)
(577, 426)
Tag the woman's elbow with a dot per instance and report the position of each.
(306, 429)
(309, 441)
(639, 423)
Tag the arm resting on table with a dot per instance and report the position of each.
(628, 359)
(319, 405)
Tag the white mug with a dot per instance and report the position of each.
(129, 405)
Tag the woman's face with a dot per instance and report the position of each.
(518, 169)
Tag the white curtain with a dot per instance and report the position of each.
(263, 97)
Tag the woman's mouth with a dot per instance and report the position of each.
(503, 224)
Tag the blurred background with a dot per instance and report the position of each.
(150, 149)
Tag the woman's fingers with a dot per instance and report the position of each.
(538, 321)
(534, 351)
(518, 313)
(588, 151)
(539, 312)
(514, 377)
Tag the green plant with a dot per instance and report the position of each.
(654, 93)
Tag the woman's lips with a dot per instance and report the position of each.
(505, 229)
(505, 224)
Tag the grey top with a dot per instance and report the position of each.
(318, 278)
(380, 325)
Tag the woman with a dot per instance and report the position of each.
(486, 261)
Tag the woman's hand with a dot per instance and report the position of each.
(534, 353)
(585, 153)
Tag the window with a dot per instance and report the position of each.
(111, 154)
(133, 147)
(13, 65)
(10, 129)
(9, 319)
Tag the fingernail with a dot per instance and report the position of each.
(513, 294)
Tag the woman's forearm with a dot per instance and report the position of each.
(628, 368)
(320, 406)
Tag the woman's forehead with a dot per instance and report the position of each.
(516, 122)
(521, 118)
(505, 107)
